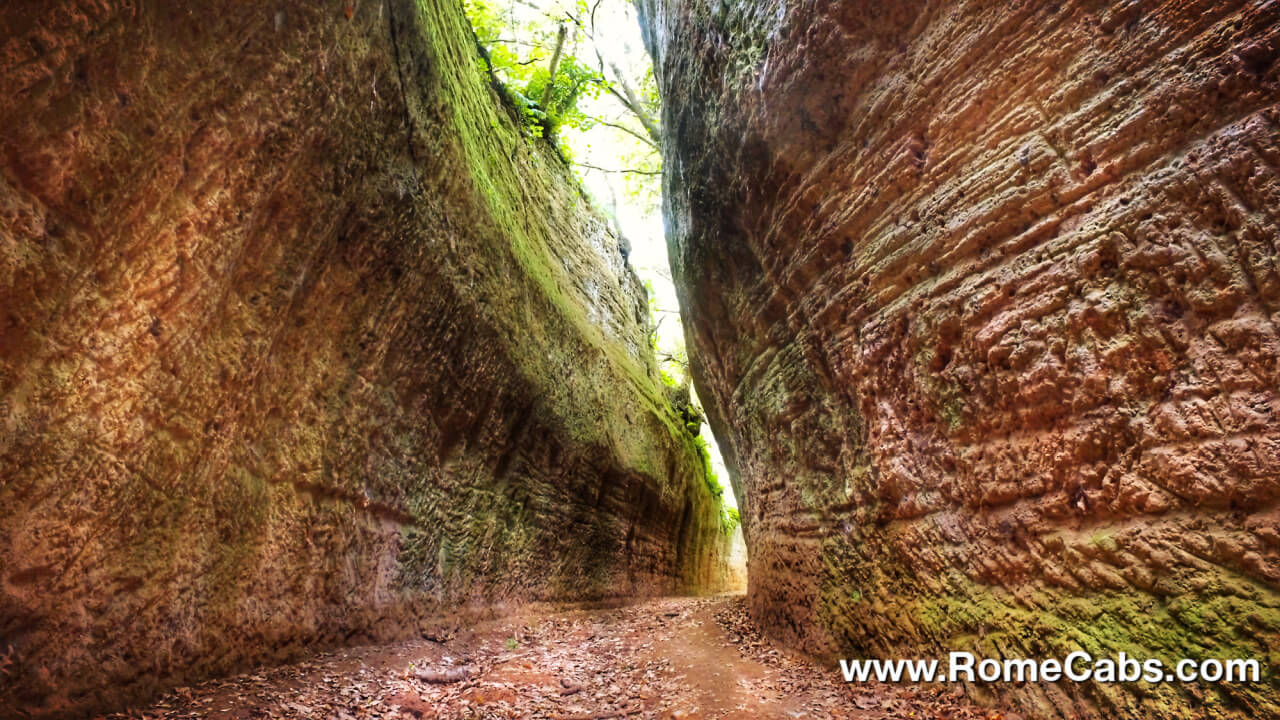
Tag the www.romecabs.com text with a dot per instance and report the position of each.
(1078, 666)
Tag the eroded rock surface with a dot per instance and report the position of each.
(984, 309)
(301, 342)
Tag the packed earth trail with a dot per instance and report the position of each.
(667, 658)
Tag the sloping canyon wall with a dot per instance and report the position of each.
(984, 301)
(302, 341)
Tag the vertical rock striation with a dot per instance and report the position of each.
(984, 302)
(302, 341)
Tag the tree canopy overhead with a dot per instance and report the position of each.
(563, 65)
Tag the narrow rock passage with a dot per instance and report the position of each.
(667, 658)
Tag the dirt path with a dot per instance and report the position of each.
(722, 679)
(669, 658)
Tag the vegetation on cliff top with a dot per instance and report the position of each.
(580, 83)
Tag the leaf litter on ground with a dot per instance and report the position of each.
(667, 659)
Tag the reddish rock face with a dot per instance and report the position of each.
(984, 302)
(301, 342)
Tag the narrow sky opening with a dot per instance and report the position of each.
(603, 110)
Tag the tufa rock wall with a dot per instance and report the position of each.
(301, 342)
(984, 310)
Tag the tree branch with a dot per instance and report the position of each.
(555, 62)
(642, 138)
(593, 15)
(626, 170)
(628, 97)
(634, 105)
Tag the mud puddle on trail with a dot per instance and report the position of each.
(668, 659)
